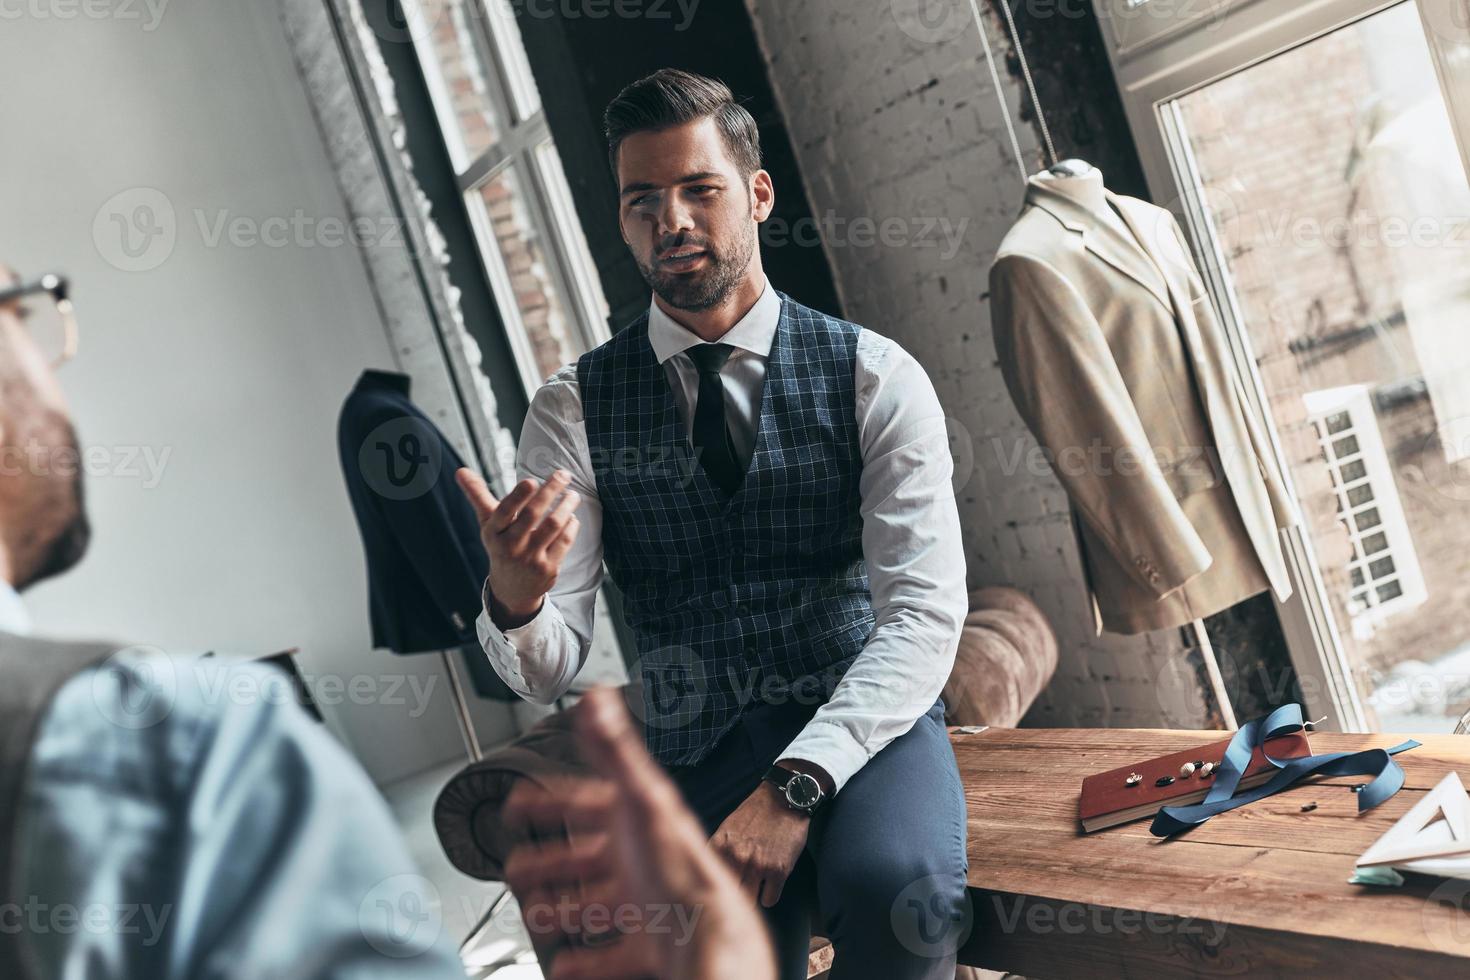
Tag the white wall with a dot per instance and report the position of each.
(225, 361)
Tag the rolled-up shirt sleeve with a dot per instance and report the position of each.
(916, 567)
(539, 660)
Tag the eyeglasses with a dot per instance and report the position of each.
(45, 309)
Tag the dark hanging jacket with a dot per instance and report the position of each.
(426, 564)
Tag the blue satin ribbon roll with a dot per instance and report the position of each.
(1388, 776)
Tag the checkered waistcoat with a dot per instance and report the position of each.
(761, 596)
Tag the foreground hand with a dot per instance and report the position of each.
(761, 841)
(526, 539)
(626, 861)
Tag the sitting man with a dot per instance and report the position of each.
(770, 488)
(152, 823)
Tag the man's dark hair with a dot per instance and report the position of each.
(670, 97)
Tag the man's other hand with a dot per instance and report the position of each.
(762, 841)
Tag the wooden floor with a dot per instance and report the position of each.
(1260, 891)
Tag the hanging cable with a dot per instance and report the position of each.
(1005, 110)
(1051, 151)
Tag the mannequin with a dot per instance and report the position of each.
(1082, 183)
(1112, 354)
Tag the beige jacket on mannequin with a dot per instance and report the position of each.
(1112, 353)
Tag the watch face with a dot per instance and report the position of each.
(803, 791)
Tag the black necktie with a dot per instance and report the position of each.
(711, 431)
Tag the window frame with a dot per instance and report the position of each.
(522, 141)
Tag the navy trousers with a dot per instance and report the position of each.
(885, 861)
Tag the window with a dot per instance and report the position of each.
(531, 245)
(1318, 155)
(1382, 576)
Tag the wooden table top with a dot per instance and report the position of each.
(1260, 891)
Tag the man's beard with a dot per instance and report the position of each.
(62, 498)
(707, 287)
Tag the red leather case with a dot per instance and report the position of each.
(1106, 795)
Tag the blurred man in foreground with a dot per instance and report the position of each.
(625, 853)
(164, 818)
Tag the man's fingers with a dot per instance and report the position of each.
(551, 528)
(771, 888)
(566, 864)
(615, 748)
(510, 506)
(558, 549)
(539, 502)
(478, 492)
(750, 882)
(621, 960)
(548, 812)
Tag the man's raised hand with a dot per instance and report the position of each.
(526, 535)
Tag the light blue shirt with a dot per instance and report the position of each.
(184, 818)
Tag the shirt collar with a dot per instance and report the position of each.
(13, 615)
(754, 332)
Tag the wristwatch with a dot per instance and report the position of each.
(801, 791)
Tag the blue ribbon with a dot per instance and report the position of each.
(1388, 775)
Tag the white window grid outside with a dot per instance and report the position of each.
(1384, 578)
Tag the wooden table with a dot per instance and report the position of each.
(1260, 891)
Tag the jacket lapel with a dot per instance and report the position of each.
(1109, 246)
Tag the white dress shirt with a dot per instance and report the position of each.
(911, 535)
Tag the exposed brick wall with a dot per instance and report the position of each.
(899, 123)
